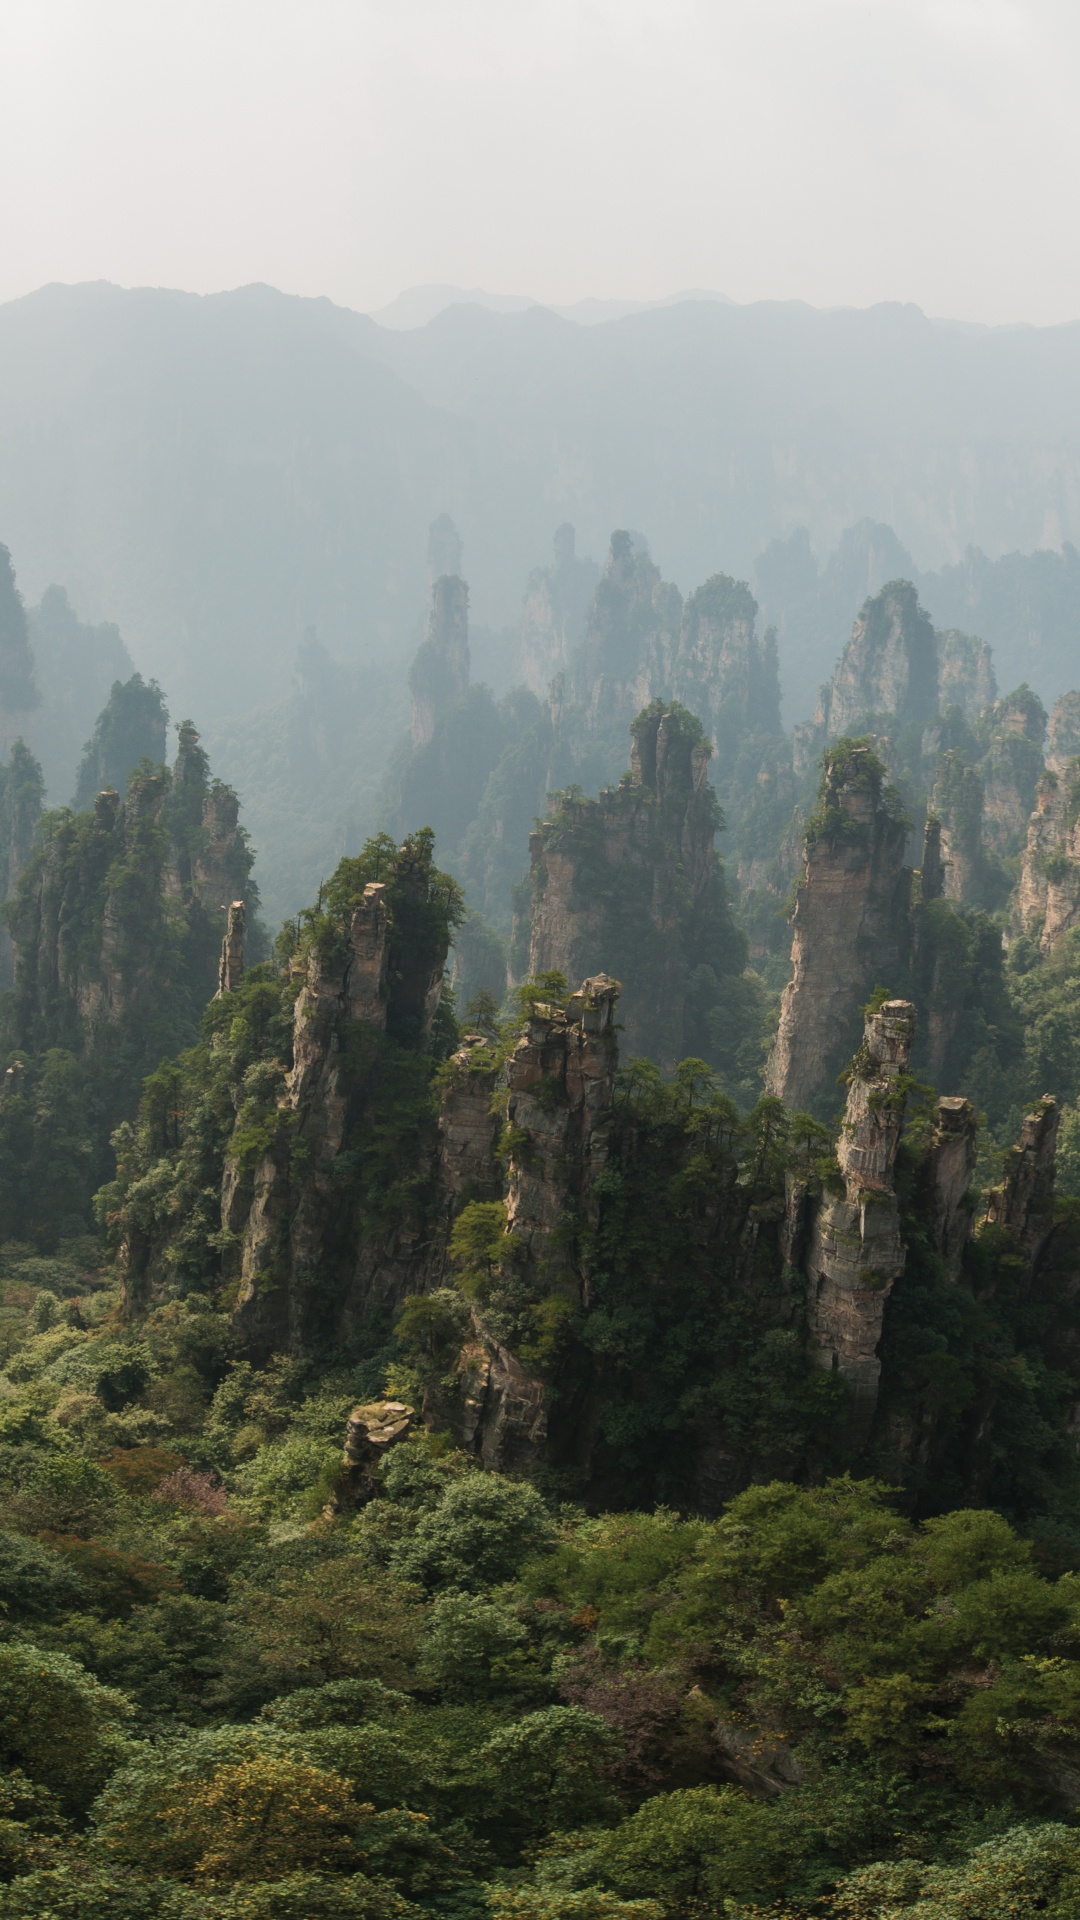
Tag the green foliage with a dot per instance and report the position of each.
(478, 1535)
(129, 730)
(58, 1725)
(550, 1769)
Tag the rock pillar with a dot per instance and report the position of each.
(855, 1253)
(231, 965)
(1024, 1202)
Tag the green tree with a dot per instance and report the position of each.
(58, 1725)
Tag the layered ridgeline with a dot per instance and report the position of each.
(116, 916)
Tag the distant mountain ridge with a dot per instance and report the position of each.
(217, 475)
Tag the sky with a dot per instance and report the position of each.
(840, 152)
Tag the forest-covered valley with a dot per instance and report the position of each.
(541, 1307)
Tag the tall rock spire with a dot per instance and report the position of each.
(855, 1252)
(852, 925)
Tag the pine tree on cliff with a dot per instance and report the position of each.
(130, 728)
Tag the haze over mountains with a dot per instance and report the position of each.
(219, 474)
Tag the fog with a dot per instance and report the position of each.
(844, 152)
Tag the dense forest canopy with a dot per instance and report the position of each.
(548, 1388)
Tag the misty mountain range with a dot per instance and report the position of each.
(218, 475)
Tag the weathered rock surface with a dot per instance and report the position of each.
(1048, 891)
(889, 666)
(554, 610)
(851, 928)
(283, 1238)
(370, 1432)
(952, 1169)
(855, 1252)
(231, 964)
(469, 1123)
(1013, 733)
(957, 804)
(1024, 1203)
(561, 1079)
(631, 881)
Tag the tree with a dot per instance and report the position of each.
(549, 1769)
(481, 1532)
(130, 728)
(58, 1724)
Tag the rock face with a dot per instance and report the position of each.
(231, 964)
(889, 666)
(1024, 1202)
(117, 918)
(370, 1432)
(855, 1252)
(965, 674)
(722, 670)
(897, 672)
(957, 804)
(284, 1224)
(561, 1081)
(439, 676)
(560, 1115)
(469, 1124)
(641, 643)
(952, 1169)
(553, 614)
(1048, 893)
(851, 928)
(631, 878)
(1013, 733)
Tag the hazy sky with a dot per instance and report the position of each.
(838, 151)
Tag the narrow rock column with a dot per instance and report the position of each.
(851, 930)
(231, 965)
(855, 1253)
(1024, 1202)
(952, 1168)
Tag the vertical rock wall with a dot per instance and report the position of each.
(626, 881)
(851, 929)
(855, 1252)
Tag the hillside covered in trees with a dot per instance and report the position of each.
(548, 1388)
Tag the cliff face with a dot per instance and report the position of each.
(1047, 900)
(851, 928)
(896, 672)
(554, 611)
(855, 1251)
(633, 877)
(957, 804)
(889, 666)
(22, 794)
(312, 1248)
(560, 1082)
(965, 674)
(439, 676)
(117, 919)
(1012, 733)
(1024, 1203)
